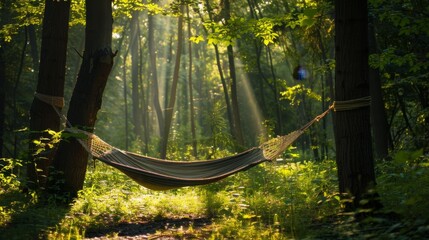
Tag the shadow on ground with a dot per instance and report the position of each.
(29, 220)
(145, 228)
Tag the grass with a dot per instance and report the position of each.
(296, 200)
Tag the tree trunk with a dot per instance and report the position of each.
(134, 49)
(51, 83)
(225, 91)
(125, 86)
(327, 82)
(2, 100)
(352, 128)
(15, 94)
(86, 100)
(222, 77)
(238, 134)
(276, 94)
(172, 98)
(33, 47)
(154, 74)
(191, 92)
(380, 128)
(144, 100)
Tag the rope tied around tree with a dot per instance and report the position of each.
(54, 101)
(351, 104)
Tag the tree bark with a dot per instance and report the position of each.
(125, 86)
(191, 92)
(154, 74)
(352, 128)
(279, 129)
(51, 82)
(172, 97)
(238, 134)
(222, 77)
(72, 158)
(134, 49)
(2, 101)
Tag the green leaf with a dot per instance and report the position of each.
(196, 39)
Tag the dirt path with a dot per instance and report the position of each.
(167, 228)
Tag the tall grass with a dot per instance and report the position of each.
(274, 201)
(297, 199)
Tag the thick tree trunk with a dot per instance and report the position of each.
(352, 128)
(51, 83)
(86, 100)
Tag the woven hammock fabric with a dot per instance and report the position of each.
(161, 174)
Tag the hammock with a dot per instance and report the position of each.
(161, 174)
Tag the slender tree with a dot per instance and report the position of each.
(172, 97)
(86, 100)
(191, 92)
(352, 128)
(134, 50)
(380, 127)
(238, 134)
(125, 86)
(154, 74)
(221, 73)
(52, 71)
(2, 100)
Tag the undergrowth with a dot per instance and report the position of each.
(297, 199)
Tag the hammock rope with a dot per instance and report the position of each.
(162, 174)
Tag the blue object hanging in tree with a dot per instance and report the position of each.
(299, 73)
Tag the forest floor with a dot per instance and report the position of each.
(190, 227)
(387, 226)
(296, 200)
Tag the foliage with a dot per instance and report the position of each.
(8, 178)
(295, 94)
(293, 200)
(22, 14)
(400, 183)
(403, 60)
(47, 143)
(274, 200)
